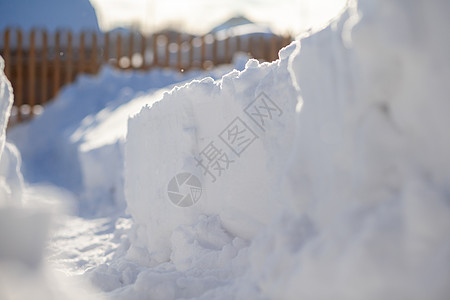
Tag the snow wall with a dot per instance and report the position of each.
(201, 121)
(340, 184)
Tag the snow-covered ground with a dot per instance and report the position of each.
(322, 175)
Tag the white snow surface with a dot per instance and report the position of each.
(182, 125)
(342, 193)
(363, 202)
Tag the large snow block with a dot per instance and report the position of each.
(210, 147)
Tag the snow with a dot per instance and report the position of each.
(342, 192)
(179, 127)
(49, 14)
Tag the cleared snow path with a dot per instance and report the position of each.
(78, 244)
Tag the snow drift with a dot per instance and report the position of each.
(357, 206)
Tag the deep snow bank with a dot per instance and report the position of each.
(376, 184)
(367, 173)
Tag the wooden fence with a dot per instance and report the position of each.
(38, 63)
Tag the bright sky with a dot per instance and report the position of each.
(201, 15)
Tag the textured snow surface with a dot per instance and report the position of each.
(338, 188)
(188, 125)
(364, 209)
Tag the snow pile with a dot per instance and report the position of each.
(373, 184)
(77, 142)
(369, 171)
(352, 205)
(50, 14)
(212, 130)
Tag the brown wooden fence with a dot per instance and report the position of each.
(38, 63)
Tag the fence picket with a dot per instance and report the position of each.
(94, 55)
(106, 48)
(6, 52)
(203, 53)
(238, 43)
(227, 57)
(155, 50)
(44, 69)
(262, 50)
(56, 64)
(19, 69)
(118, 49)
(82, 53)
(179, 52)
(191, 53)
(143, 51)
(32, 71)
(167, 55)
(273, 48)
(69, 62)
(130, 49)
(214, 54)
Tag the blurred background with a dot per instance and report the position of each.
(46, 44)
(199, 16)
(193, 16)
